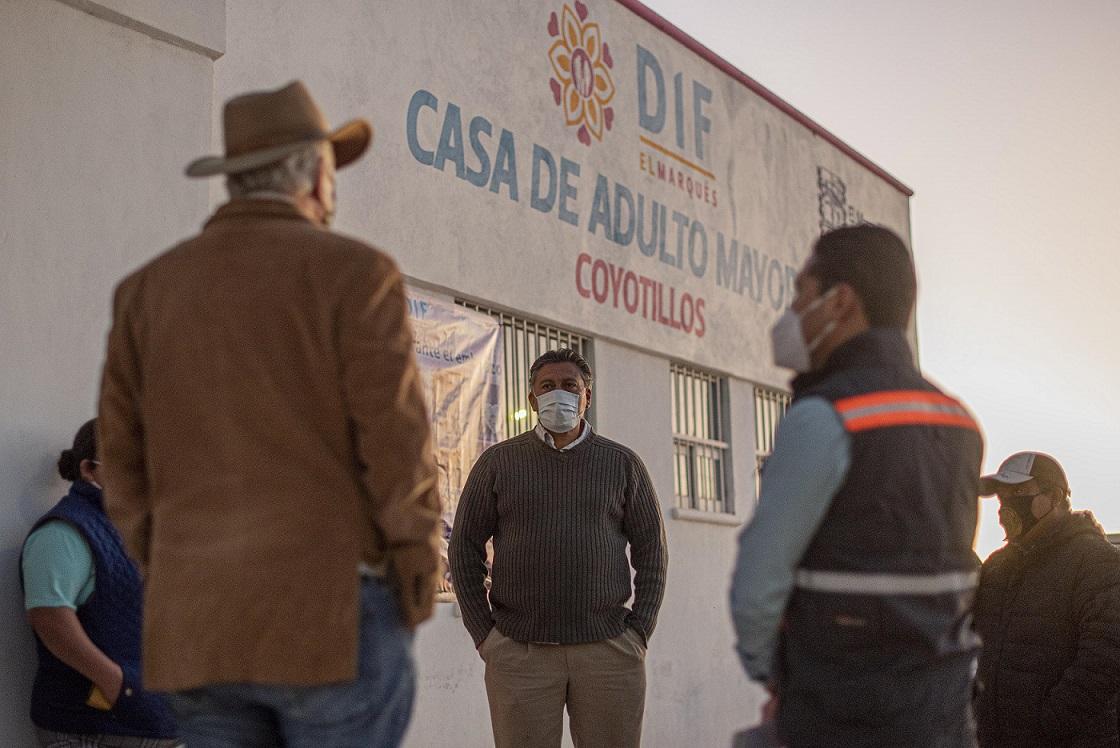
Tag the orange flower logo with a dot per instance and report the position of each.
(581, 65)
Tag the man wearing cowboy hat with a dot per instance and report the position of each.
(1048, 610)
(266, 452)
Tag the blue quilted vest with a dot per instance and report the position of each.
(878, 643)
(111, 618)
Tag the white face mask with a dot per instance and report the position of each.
(558, 410)
(788, 340)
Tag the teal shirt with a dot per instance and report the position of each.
(57, 567)
(809, 464)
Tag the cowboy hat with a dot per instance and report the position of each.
(264, 127)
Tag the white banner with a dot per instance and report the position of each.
(459, 353)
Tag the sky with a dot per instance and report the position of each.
(1004, 118)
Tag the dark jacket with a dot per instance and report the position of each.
(882, 660)
(111, 618)
(1048, 611)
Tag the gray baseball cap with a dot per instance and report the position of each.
(1022, 467)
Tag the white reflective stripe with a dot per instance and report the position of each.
(905, 407)
(886, 584)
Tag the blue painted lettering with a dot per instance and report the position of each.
(420, 99)
(601, 207)
(727, 263)
(698, 249)
(759, 271)
(451, 142)
(653, 104)
(568, 191)
(682, 223)
(678, 107)
(505, 166)
(479, 126)
(649, 248)
(775, 271)
(701, 95)
(647, 64)
(543, 157)
(623, 197)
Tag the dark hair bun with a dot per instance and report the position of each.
(68, 465)
(84, 448)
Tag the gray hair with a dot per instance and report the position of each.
(562, 356)
(294, 175)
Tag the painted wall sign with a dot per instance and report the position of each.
(584, 167)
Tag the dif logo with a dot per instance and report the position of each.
(688, 104)
(581, 85)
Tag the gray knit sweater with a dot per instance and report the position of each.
(560, 522)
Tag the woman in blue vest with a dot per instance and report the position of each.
(83, 599)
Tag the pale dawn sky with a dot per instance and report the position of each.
(1004, 118)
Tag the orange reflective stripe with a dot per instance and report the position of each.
(893, 397)
(909, 418)
(903, 408)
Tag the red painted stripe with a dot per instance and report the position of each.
(910, 418)
(893, 397)
(708, 55)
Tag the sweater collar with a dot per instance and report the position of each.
(545, 436)
(88, 493)
(877, 346)
(586, 437)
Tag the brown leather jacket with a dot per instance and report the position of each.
(262, 431)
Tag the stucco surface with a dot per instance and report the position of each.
(98, 121)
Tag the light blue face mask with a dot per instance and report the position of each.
(558, 410)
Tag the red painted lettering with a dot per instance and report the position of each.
(595, 285)
(688, 313)
(630, 282)
(616, 282)
(584, 259)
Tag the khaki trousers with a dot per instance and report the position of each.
(603, 684)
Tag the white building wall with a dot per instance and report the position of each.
(97, 121)
(697, 693)
(103, 104)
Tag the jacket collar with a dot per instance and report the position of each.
(251, 208)
(88, 493)
(877, 346)
(1073, 524)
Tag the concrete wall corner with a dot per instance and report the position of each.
(198, 25)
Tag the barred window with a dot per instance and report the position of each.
(769, 407)
(524, 341)
(701, 454)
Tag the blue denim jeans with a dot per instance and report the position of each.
(371, 711)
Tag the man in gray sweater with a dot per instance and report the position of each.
(561, 504)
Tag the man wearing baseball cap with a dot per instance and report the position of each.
(1048, 611)
(266, 452)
